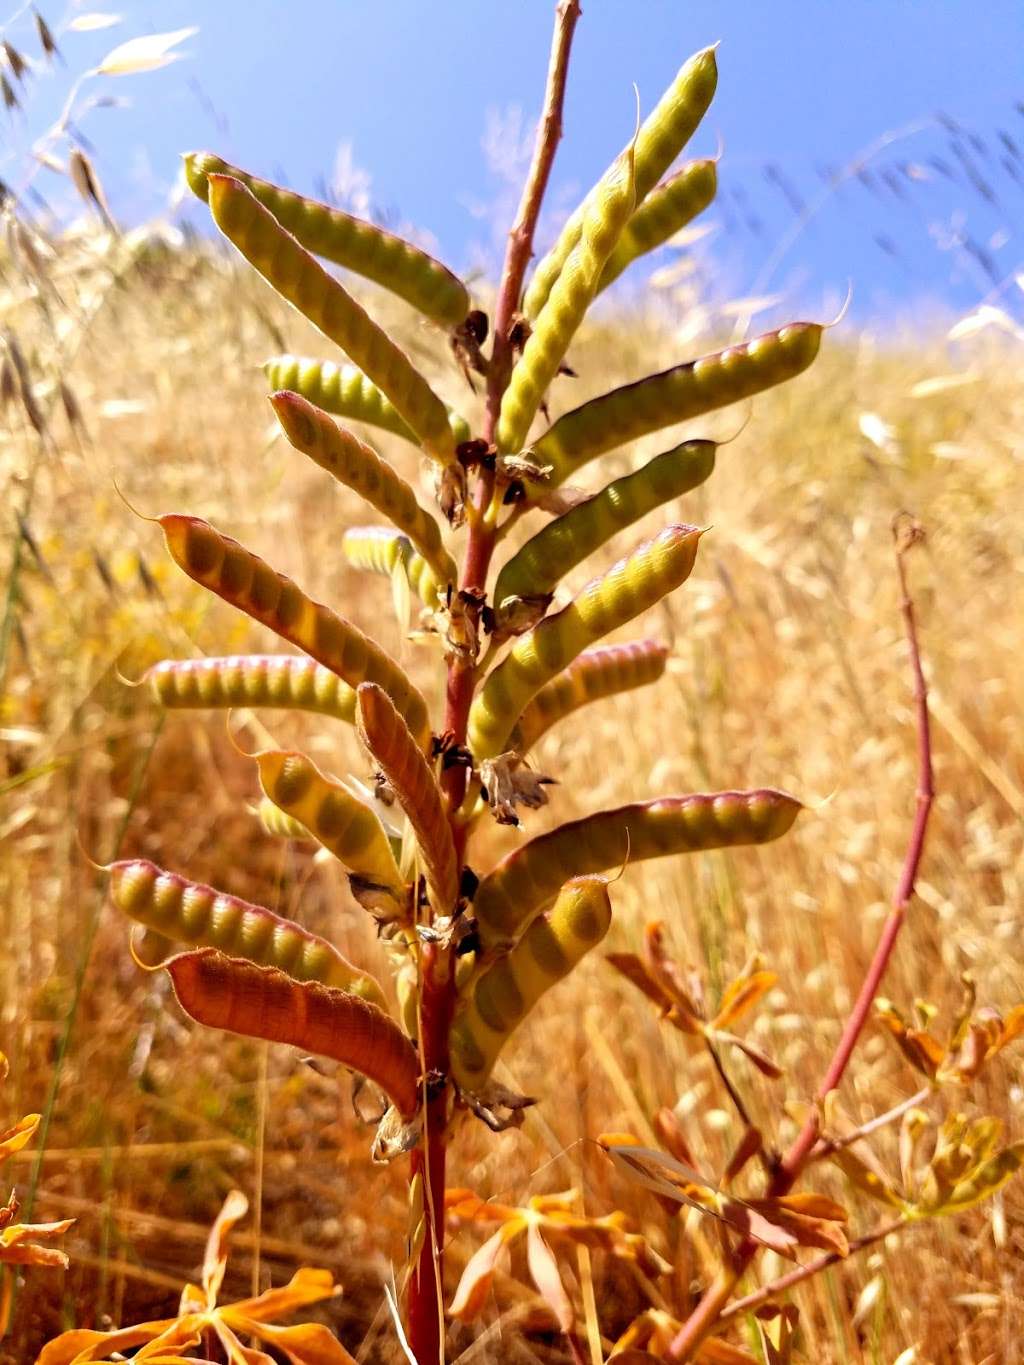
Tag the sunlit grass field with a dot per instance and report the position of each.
(788, 668)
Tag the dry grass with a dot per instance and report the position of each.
(789, 668)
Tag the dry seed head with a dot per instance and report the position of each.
(378, 549)
(249, 583)
(188, 912)
(300, 279)
(529, 877)
(289, 681)
(360, 468)
(351, 242)
(662, 136)
(545, 559)
(570, 297)
(502, 996)
(346, 392)
(606, 603)
(675, 395)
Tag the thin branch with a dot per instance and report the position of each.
(825, 1146)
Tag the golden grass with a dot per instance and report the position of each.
(789, 668)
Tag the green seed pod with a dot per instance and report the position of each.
(596, 674)
(188, 912)
(675, 395)
(528, 878)
(351, 242)
(628, 588)
(539, 566)
(290, 681)
(662, 136)
(282, 826)
(346, 392)
(238, 576)
(504, 993)
(346, 826)
(360, 468)
(379, 549)
(300, 279)
(571, 296)
(668, 207)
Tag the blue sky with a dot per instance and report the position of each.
(423, 99)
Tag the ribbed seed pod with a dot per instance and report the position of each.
(346, 826)
(504, 993)
(378, 549)
(662, 136)
(529, 877)
(628, 588)
(675, 395)
(544, 560)
(668, 207)
(188, 912)
(346, 392)
(571, 295)
(385, 734)
(282, 826)
(290, 681)
(360, 468)
(238, 576)
(299, 278)
(596, 674)
(351, 242)
(261, 1002)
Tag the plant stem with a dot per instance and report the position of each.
(437, 990)
(906, 533)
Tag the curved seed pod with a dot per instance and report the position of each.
(387, 737)
(674, 395)
(276, 822)
(346, 826)
(668, 207)
(346, 392)
(571, 295)
(189, 912)
(628, 588)
(238, 576)
(545, 559)
(351, 242)
(300, 279)
(360, 468)
(662, 136)
(529, 877)
(261, 1002)
(290, 681)
(378, 549)
(595, 674)
(504, 993)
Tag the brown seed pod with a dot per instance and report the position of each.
(262, 1002)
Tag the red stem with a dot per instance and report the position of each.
(710, 1309)
(437, 1003)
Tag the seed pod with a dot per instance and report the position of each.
(189, 912)
(628, 588)
(571, 295)
(668, 207)
(528, 878)
(238, 576)
(360, 468)
(276, 822)
(299, 278)
(662, 136)
(379, 549)
(538, 567)
(675, 395)
(346, 392)
(290, 681)
(346, 826)
(597, 673)
(504, 993)
(385, 734)
(351, 242)
(261, 1002)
